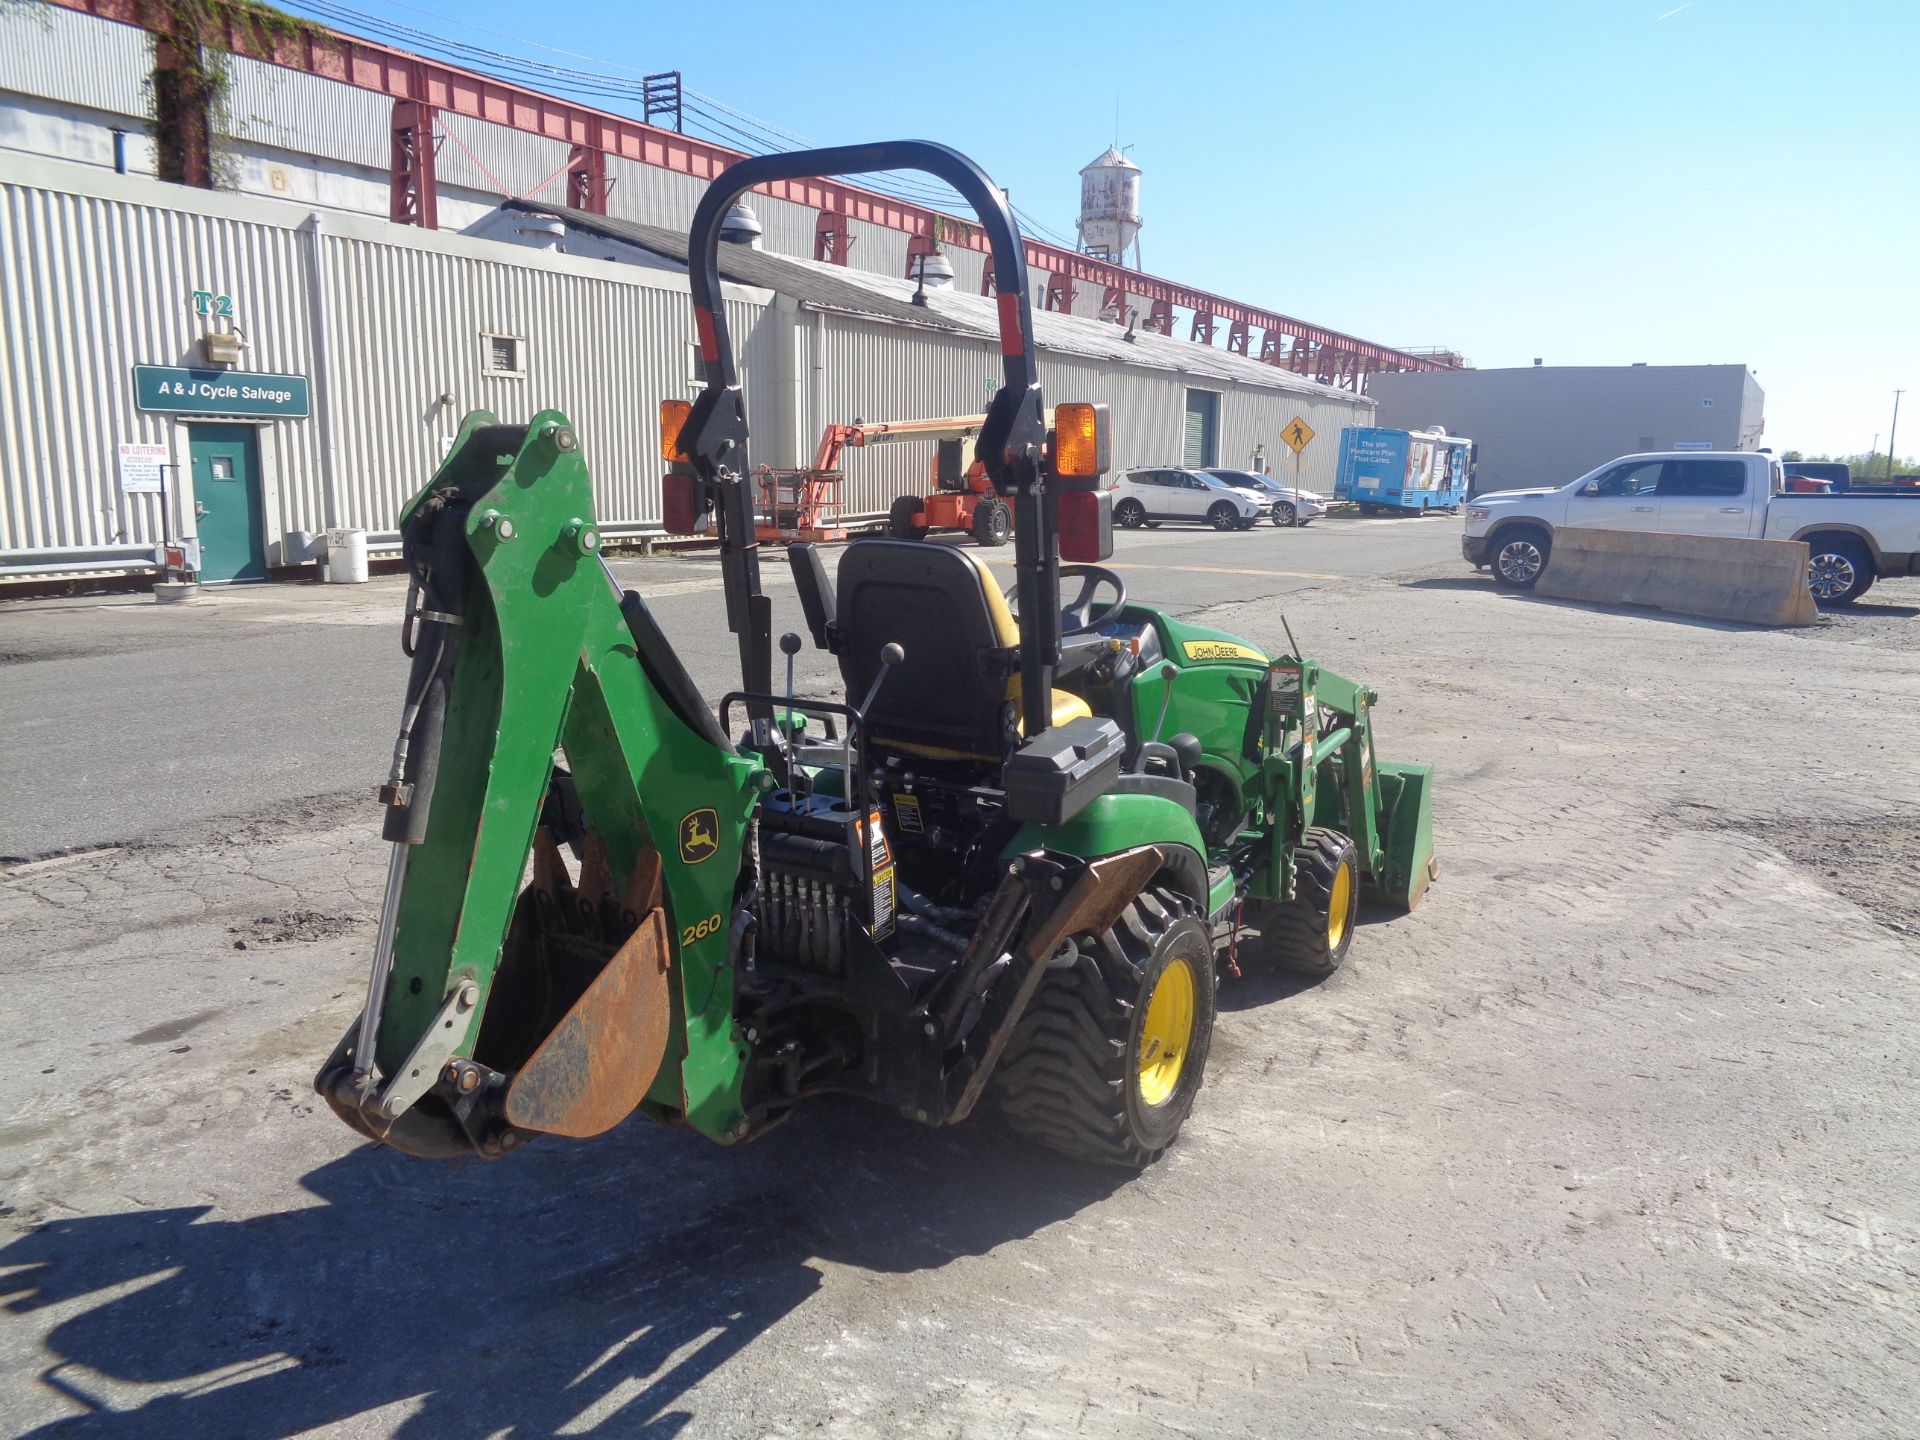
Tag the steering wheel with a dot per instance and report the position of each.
(1078, 616)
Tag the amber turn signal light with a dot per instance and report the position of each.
(673, 419)
(1079, 441)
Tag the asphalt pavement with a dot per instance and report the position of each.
(121, 719)
(1610, 1139)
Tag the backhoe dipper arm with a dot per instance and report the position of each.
(1011, 442)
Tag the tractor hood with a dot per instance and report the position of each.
(1197, 645)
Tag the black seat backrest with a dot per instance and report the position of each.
(950, 694)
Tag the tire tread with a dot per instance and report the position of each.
(1063, 1082)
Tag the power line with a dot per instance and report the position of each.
(756, 135)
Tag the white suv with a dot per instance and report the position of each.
(1153, 496)
(1290, 504)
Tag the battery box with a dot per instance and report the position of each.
(1054, 777)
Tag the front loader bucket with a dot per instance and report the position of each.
(1406, 836)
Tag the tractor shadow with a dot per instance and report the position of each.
(1259, 985)
(577, 1285)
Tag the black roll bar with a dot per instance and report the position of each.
(1010, 445)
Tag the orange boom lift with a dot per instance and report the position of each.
(806, 504)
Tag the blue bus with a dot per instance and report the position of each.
(1403, 469)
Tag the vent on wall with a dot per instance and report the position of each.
(1647, 442)
(505, 355)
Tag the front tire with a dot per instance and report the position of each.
(1311, 933)
(1106, 1062)
(901, 516)
(1129, 514)
(992, 522)
(1519, 556)
(1223, 516)
(1839, 569)
(1285, 515)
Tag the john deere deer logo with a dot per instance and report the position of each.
(699, 836)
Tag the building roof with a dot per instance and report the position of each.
(882, 297)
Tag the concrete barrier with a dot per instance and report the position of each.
(1719, 577)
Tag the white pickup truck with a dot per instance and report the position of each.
(1852, 540)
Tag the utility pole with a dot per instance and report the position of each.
(1893, 430)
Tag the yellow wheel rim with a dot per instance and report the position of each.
(1167, 1034)
(1340, 905)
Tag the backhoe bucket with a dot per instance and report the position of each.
(1406, 836)
(595, 1066)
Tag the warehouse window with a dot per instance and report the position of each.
(504, 354)
(1203, 430)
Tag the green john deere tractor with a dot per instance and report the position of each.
(1006, 861)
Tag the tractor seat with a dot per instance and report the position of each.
(957, 694)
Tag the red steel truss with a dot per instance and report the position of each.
(420, 86)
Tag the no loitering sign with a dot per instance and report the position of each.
(140, 468)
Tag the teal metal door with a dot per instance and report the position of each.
(226, 494)
(1202, 430)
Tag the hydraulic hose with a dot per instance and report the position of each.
(441, 558)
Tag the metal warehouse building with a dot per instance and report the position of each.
(354, 347)
(1547, 424)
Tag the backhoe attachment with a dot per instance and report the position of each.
(526, 978)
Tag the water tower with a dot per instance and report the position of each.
(1110, 208)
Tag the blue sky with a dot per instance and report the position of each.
(1589, 181)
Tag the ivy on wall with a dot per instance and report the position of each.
(193, 45)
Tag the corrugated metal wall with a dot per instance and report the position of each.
(91, 286)
(886, 372)
(411, 327)
(61, 55)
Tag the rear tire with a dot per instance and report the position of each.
(1129, 514)
(1839, 569)
(1519, 556)
(1369, 509)
(1223, 516)
(1106, 1062)
(901, 515)
(992, 522)
(1311, 933)
(1285, 515)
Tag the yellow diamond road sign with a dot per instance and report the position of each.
(1297, 434)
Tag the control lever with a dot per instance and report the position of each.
(1166, 699)
(790, 647)
(891, 654)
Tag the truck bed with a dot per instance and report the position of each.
(1890, 523)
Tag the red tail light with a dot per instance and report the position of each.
(682, 510)
(1086, 526)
